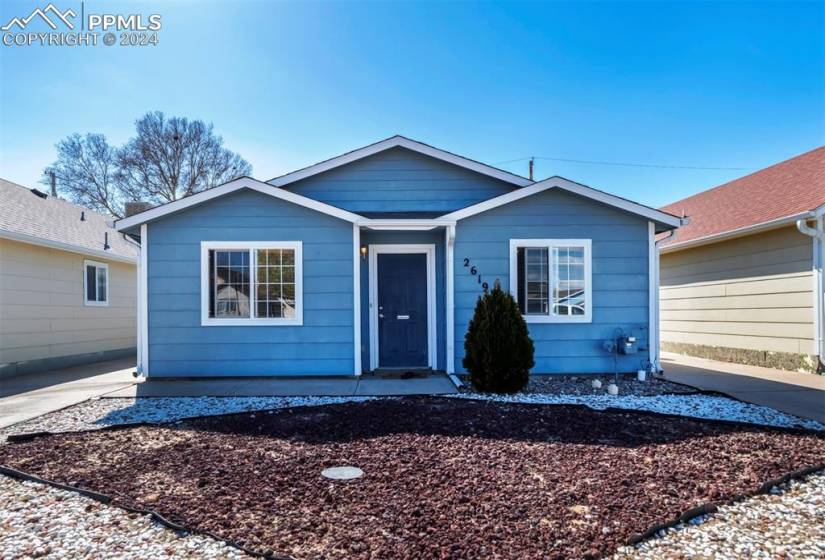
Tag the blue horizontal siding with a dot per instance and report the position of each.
(180, 346)
(619, 267)
(400, 180)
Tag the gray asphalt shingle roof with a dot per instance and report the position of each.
(23, 212)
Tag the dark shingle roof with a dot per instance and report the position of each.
(24, 213)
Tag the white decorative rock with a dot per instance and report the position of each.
(613, 389)
(641, 375)
(597, 384)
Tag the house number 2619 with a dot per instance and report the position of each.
(474, 272)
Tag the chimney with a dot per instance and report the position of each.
(53, 183)
(136, 207)
(531, 168)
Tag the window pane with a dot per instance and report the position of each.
(91, 283)
(231, 284)
(568, 281)
(102, 284)
(276, 283)
(288, 295)
(535, 280)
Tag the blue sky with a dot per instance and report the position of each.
(286, 84)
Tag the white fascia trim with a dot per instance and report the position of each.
(33, 240)
(232, 186)
(399, 142)
(401, 224)
(740, 232)
(570, 186)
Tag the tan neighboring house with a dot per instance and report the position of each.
(742, 282)
(67, 284)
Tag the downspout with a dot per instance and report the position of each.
(817, 233)
(655, 330)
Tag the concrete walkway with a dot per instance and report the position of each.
(287, 387)
(27, 396)
(801, 394)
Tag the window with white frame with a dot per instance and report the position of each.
(248, 283)
(551, 279)
(95, 283)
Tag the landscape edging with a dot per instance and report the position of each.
(712, 507)
(107, 500)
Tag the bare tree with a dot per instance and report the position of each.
(175, 157)
(166, 160)
(87, 172)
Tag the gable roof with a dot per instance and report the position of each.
(663, 219)
(52, 222)
(771, 197)
(402, 142)
(396, 220)
(230, 187)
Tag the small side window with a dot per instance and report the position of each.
(95, 283)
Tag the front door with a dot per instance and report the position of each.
(402, 310)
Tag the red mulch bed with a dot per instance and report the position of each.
(443, 478)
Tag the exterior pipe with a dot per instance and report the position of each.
(817, 233)
(655, 331)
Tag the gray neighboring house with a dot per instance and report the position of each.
(67, 284)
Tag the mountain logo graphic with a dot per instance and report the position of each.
(44, 15)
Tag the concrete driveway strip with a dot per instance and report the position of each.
(27, 396)
(287, 387)
(800, 394)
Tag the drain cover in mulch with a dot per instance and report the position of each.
(342, 473)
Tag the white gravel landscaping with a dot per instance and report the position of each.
(38, 521)
(101, 412)
(787, 523)
(696, 406)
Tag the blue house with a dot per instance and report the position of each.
(375, 259)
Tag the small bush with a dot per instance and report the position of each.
(498, 352)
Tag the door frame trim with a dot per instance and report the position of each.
(427, 249)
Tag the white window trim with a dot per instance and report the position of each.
(588, 277)
(86, 300)
(252, 321)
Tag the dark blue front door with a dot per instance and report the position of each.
(402, 310)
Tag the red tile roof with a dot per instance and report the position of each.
(781, 190)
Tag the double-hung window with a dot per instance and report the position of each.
(251, 283)
(551, 279)
(95, 283)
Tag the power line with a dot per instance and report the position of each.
(625, 164)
